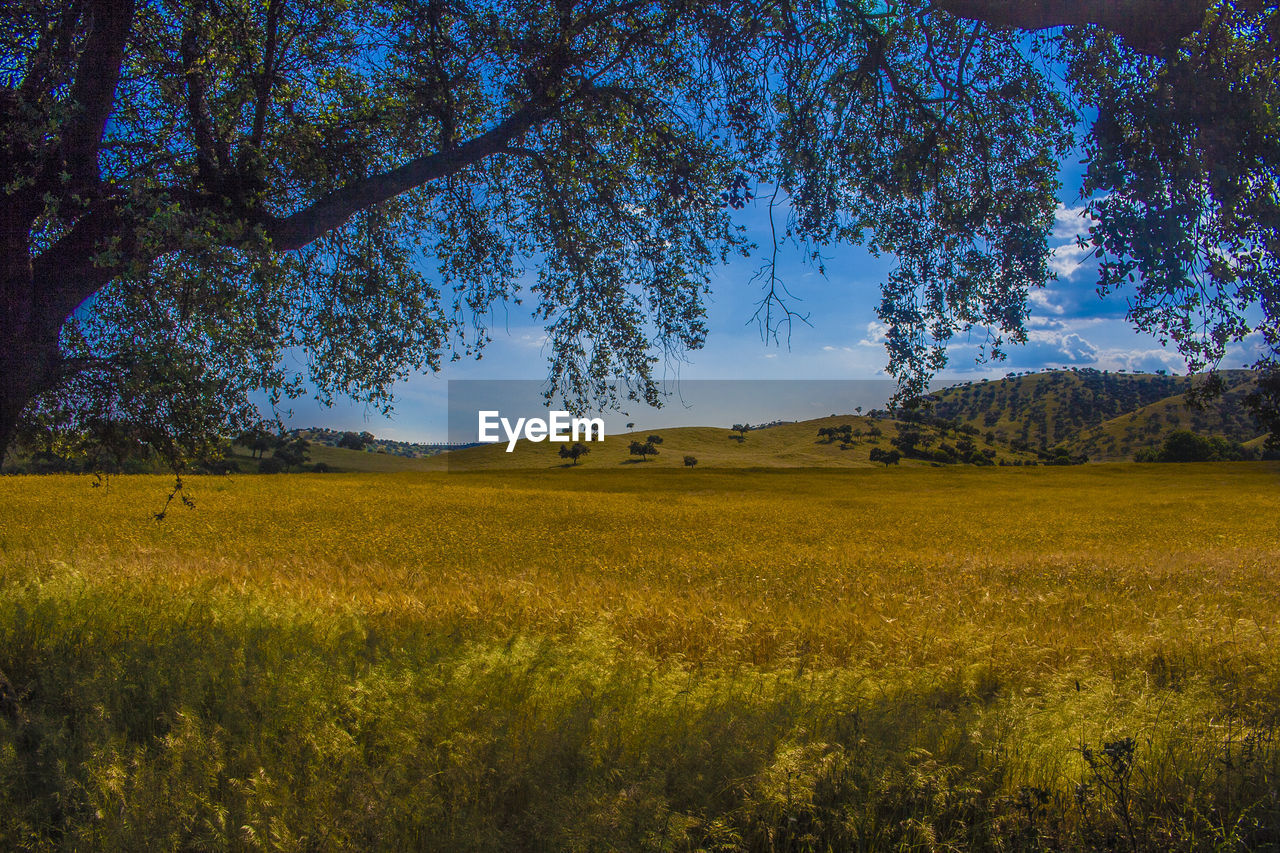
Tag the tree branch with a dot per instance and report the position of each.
(66, 273)
(267, 77)
(210, 160)
(94, 89)
(1147, 25)
(333, 210)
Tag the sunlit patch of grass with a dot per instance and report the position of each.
(645, 660)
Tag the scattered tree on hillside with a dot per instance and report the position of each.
(888, 457)
(690, 461)
(1186, 446)
(644, 449)
(909, 440)
(355, 440)
(574, 451)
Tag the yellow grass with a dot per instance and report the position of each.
(1059, 606)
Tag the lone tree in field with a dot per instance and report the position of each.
(190, 190)
(574, 451)
(644, 449)
(690, 461)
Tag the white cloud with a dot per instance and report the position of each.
(1067, 259)
(1041, 299)
(531, 340)
(1069, 224)
(1141, 359)
(876, 334)
(1077, 348)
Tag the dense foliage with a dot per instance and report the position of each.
(207, 200)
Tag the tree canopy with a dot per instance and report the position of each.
(198, 195)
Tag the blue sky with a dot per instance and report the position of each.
(1069, 326)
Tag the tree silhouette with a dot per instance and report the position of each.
(574, 451)
(644, 449)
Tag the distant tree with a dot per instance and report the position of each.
(294, 454)
(631, 425)
(1186, 446)
(355, 440)
(1264, 403)
(654, 439)
(574, 451)
(828, 433)
(690, 461)
(272, 465)
(257, 440)
(909, 440)
(888, 457)
(644, 449)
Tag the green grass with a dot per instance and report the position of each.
(644, 659)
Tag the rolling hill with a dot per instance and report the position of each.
(1015, 420)
(790, 445)
(1052, 416)
(1106, 416)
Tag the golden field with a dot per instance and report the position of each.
(952, 658)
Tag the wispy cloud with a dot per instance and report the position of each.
(1069, 225)
(1043, 300)
(876, 335)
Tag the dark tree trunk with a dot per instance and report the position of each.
(17, 320)
(29, 328)
(26, 368)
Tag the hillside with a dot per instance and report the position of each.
(790, 445)
(1047, 417)
(347, 461)
(1103, 415)
(1121, 437)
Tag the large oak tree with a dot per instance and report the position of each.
(198, 195)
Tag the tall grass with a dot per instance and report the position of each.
(665, 660)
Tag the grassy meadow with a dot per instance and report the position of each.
(640, 658)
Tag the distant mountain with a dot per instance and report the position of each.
(1104, 415)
